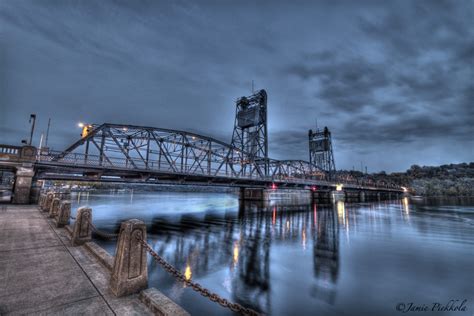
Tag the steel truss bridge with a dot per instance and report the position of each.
(128, 153)
(113, 152)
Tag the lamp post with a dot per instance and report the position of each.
(32, 118)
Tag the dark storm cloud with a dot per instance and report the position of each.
(347, 85)
(416, 85)
(381, 75)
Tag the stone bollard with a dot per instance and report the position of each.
(54, 209)
(41, 200)
(62, 218)
(130, 273)
(48, 202)
(82, 231)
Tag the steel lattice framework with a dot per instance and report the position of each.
(174, 152)
(320, 150)
(250, 134)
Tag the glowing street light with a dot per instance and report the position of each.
(339, 187)
(86, 129)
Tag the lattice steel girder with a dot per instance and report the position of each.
(149, 148)
(320, 150)
(250, 134)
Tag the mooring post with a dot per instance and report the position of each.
(82, 231)
(53, 210)
(130, 273)
(41, 200)
(62, 218)
(49, 201)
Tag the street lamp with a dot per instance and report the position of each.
(32, 118)
(86, 129)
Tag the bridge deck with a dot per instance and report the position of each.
(40, 273)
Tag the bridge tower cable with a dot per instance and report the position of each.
(250, 135)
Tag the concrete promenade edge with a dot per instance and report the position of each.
(40, 273)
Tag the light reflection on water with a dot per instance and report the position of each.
(305, 259)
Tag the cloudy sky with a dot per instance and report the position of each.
(393, 80)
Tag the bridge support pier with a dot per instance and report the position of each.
(259, 194)
(22, 189)
(130, 274)
(82, 231)
(338, 196)
(352, 196)
(254, 194)
(323, 197)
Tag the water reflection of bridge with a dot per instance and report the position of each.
(243, 243)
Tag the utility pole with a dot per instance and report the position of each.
(47, 133)
(32, 118)
(38, 155)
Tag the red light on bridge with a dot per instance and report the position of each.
(274, 186)
(314, 188)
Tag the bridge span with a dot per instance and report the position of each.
(140, 154)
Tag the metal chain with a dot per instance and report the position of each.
(102, 234)
(235, 307)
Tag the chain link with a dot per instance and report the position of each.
(102, 234)
(235, 307)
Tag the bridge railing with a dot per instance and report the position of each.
(172, 167)
(176, 167)
(17, 153)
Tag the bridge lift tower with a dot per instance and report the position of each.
(250, 135)
(320, 150)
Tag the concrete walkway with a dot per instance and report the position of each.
(40, 273)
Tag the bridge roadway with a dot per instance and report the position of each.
(74, 168)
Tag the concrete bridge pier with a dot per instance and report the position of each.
(35, 191)
(352, 196)
(22, 187)
(371, 196)
(322, 197)
(283, 194)
(254, 194)
(338, 196)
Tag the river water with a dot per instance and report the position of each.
(280, 259)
